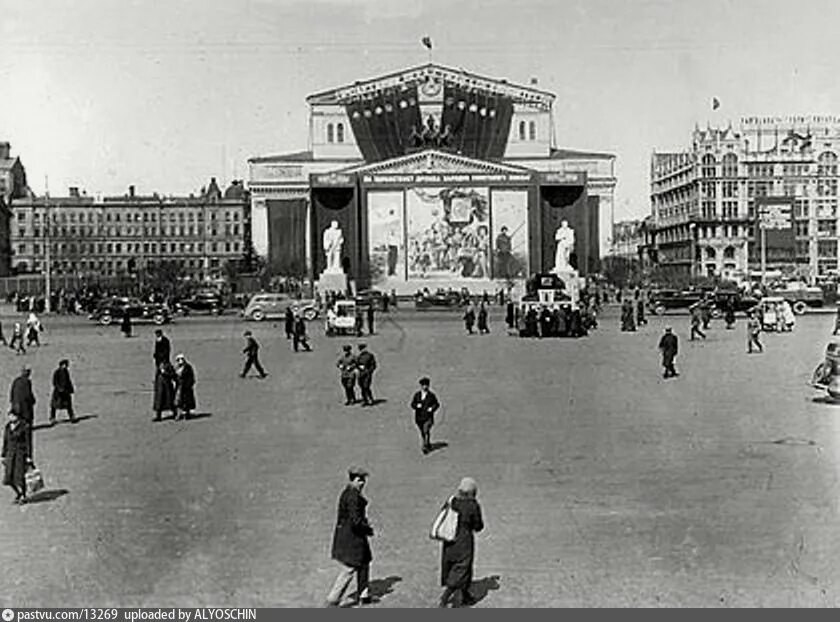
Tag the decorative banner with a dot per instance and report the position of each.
(386, 238)
(774, 215)
(510, 233)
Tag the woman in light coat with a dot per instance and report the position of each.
(456, 566)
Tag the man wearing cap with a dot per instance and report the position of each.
(366, 363)
(162, 348)
(62, 396)
(350, 546)
(425, 404)
(22, 400)
(252, 356)
(347, 365)
(668, 345)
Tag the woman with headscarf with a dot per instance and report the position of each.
(456, 567)
(33, 327)
(185, 381)
(16, 455)
(164, 398)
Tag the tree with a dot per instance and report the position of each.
(165, 276)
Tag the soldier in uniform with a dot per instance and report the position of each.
(347, 365)
(366, 364)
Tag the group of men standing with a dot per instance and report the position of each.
(357, 368)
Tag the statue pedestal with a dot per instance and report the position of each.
(571, 281)
(332, 282)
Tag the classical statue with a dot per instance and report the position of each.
(565, 239)
(333, 241)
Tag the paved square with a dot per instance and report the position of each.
(601, 483)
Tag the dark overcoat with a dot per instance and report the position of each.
(185, 399)
(424, 407)
(162, 350)
(22, 399)
(350, 541)
(62, 396)
(482, 319)
(16, 451)
(164, 398)
(456, 566)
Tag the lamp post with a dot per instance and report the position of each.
(47, 244)
(692, 231)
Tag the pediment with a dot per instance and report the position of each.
(437, 162)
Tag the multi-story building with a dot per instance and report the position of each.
(111, 236)
(704, 200)
(12, 187)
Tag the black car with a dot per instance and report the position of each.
(438, 299)
(663, 300)
(202, 302)
(112, 310)
(720, 299)
(371, 297)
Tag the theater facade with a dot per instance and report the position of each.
(436, 178)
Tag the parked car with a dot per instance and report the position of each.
(720, 299)
(112, 310)
(800, 296)
(440, 298)
(268, 306)
(201, 302)
(371, 297)
(663, 300)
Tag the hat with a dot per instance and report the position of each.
(158, 331)
(180, 356)
(347, 348)
(425, 381)
(247, 333)
(362, 346)
(357, 471)
(468, 486)
(667, 329)
(25, 368)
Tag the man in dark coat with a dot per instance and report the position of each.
(289, 323)
(164, 392)
(125, 326)
(347, 365)
(22, 399)
(425, 404)
(696, 319)
(483, 328)
(469, 319)
(370, 318)
(62, 396)
(16, 455)
(162, 348)
(668, 346)
(350, 546)
(252, 356)
(366, 365)
(300, 338)
(510, 314)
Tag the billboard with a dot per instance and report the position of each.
(774, 216)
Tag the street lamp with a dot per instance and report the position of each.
(692, 231)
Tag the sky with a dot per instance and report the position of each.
(102, 94)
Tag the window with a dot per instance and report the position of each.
(21, 216)
(708, 165)
(330, 133)
(522, 130)
(730, 209)
(708, 210)
(729, 252)
(825, 227)
(827, 164)
(827, 248)
(339, 133)
(532, 130)
(730, 165)
(21, 232)
(802, 228)
(730, 189)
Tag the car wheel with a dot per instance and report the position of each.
(659, 310)
(106, 320)
(310, 314)
(799, 307)
(159, 319)
(258, 315)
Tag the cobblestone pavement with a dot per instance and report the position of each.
(601, 483)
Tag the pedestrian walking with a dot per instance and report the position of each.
(729, 314)
(62, 395)
(458, 556)
(185, 387)
(425, 404)
(347, 366)
(668, 346)
(125, 325)
(2, 336)
(16, 343)
(469, 319)
(696, 319)
(483, 328)
(163, 349)
(366, 365)
(706, 313)
(164, 391)
(370, 318)
(33, 328)
(22, 400)
(350, 546)
(16, 455)
(300, 339)
(753, 332)
(510, 315)
(252, 355)
(628, 322)
(289, 323)
(640, 312)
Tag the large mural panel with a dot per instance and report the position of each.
(386, 238)
(448, 233)
(510, 234)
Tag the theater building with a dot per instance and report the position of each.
(436, 178)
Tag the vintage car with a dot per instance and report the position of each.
(800, 296)
(342, 319)
(826, 376)
(719, 300)
(438, 299)
(201, 302)
(112, 310)
(273, 306)
(663, 300)
(772, 313)
(371, 297)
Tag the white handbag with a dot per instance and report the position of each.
(445, 524)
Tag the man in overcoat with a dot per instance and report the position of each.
(163, 349)
(347, 366)
(350, 547)
(22, 400)
(425, 404)
(252, 356)
(668, 346)
(62, 396)
(289, 322)
(366, 364)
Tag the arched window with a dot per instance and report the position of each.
(827, 164)
(532, 130)
(730, 165)
(339, 133)
(330, 133)
(522, 130)
(729, 252)
(710, 253)
(708, 163)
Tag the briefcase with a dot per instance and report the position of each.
(445, 524)
(34, 480)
